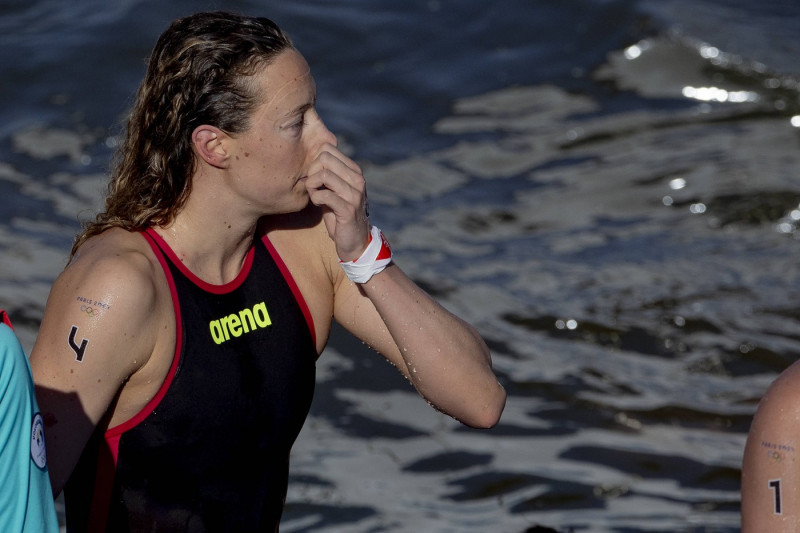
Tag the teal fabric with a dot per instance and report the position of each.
(26, 499)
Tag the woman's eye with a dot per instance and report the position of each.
(298, 125)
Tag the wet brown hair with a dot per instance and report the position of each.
(200, 72)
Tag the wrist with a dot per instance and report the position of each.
(373, 260)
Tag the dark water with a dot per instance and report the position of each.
(608, 190)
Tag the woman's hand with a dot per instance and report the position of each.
(335, 182)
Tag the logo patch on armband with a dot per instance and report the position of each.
(38, 452)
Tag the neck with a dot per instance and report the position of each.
(210, 244)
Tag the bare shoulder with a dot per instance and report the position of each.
(776, 423)
(780, 402)
(303, 242)
(116, 252)
(771, 462)
(105, 295)
(101, 326)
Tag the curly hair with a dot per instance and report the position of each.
(200, 72)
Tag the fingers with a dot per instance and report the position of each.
(332, 172)
(333, 150)
(340, 166)
(336, 184)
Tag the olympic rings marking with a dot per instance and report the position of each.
(91, 311)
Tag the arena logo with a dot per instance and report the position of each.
(237, 324)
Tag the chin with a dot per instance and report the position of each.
(300, 205)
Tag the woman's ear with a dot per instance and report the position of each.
(209, 143)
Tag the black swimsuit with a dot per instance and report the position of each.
(211, 451)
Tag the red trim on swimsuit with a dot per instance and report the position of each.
(152, 237)
(287, 275)
(208, 287)
(109, 449)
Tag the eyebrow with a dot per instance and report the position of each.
(302, 108)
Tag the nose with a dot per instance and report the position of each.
(326, 135)
(321, 133)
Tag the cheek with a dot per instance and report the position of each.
(278, 156)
